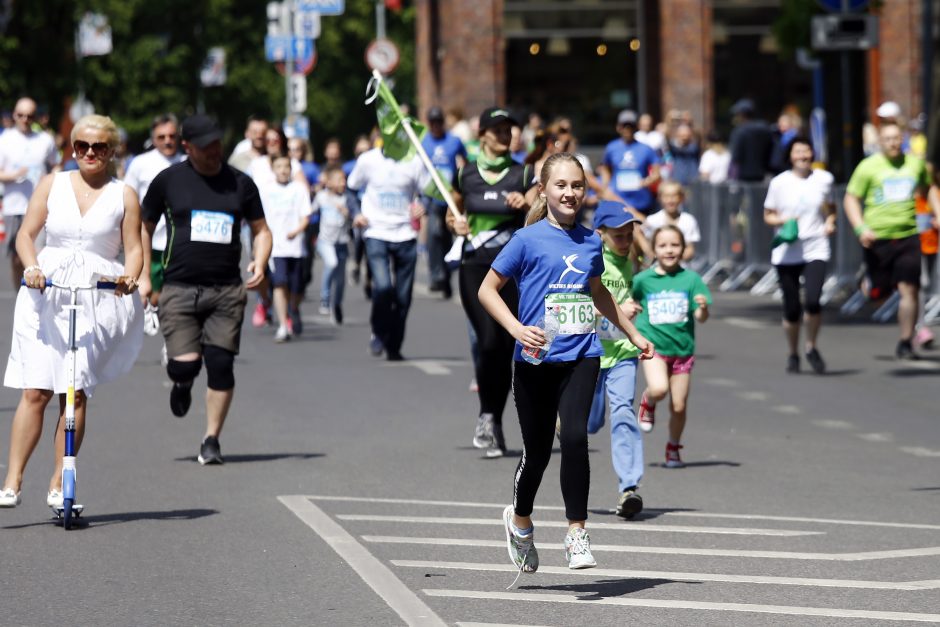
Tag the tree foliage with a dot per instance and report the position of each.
(159, 48)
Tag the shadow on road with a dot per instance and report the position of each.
(85, 522)
(646, 514)
(933, 489)
(605, 588)
(702, 464)
(258, 457)
(841, 373)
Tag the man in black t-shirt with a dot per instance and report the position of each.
(203, 301)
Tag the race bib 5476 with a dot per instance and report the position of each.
(211, 226)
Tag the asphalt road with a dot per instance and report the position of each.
(351, 494)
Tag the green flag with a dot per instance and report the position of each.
(395, 142)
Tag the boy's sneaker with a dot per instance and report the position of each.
(672, 456)
(337, 315)
(630, 504)
(905, 351)
(259, 317)
(924, 337)
(282, 335)
(793, 364)
(483, 434)
(295, 322)
(578, 549)
(816, 361)
(646, 417)
(181, 397)
(209, 451)
(324, 309)
(522, 551)
(151, 320)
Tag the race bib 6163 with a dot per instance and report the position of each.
(574, 312)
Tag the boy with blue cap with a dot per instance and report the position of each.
(614, 222)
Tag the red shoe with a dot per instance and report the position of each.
(672, 456)
(290, 325)
(260, 317)
(646, 417)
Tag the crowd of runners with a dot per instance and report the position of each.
(571, 275)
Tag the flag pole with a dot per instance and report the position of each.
(435, 175)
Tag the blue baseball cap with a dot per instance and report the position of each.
(612, 214)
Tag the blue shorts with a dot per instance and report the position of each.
(289, 273)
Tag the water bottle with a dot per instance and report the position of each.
(549, 325)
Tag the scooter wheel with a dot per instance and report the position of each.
(67, 513)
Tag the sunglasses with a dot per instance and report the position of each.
(98, 148)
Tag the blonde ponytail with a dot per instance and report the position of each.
(540, 207)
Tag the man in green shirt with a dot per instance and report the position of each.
(885, 184)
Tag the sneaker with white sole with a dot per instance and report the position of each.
(646, 416)
(54, 499)
(630, 504)
(210, 452)
(522, 550)
(483, 434)
(282, 335)
(10, 498)
(498, 447)
(673, 459)
(578, 549)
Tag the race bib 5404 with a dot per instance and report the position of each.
(211, 226)
(574, 312)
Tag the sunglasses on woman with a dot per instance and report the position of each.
(98, 148)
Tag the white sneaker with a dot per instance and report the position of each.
(578, 549)
(54, 499)
(522, 552)
(151, 320)
(9, 498)
(282, 335)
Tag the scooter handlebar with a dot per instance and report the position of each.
(101, 285)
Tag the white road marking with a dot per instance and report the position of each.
(724, 383)
(876, 437)
(745, 323)
(492, 625)
(679, 576)
(920, 451)
(427, 366)
(377, 575)
(923, 365)
(833, 424)
(626, 525)
(787, 409)
(441, 520)
(686, 605)
(752, 396)
(931, 551)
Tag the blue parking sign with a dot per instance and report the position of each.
(323, 7)
(276, 48)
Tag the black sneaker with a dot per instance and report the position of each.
(630, 504)
(816, 361)
(793, 364)
(181, 397)
(905, 352)
(394, 356)
(209, 452)
(297, 324)
(337, 314)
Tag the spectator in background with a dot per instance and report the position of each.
(299, 150)
(630, 168)
(647, 134)
(751, 143)
(788, 126)
(716, 160)
(6, 121)
(332, 153)
(252, 147)
(122, 155)
(532, 126)
(457, 125)
(685, 154)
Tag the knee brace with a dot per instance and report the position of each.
(220, 367)
(183, 371)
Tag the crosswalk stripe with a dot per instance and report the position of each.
(932, 551)
(633, 527)
(686, 605)
(680, 576)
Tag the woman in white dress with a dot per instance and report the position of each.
(88, 216)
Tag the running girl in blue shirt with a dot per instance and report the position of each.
(557, 265)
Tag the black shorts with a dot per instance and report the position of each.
(892, 261)
(289, 273)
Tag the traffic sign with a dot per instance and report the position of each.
(307, 25)
(274, 19)
(382, 55)
(276, 49)
(298, 90)
(323, 7)
(297, 126)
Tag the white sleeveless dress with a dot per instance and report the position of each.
(109, 328)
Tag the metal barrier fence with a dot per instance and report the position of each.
(736, 247)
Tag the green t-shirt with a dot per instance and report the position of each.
(668, 304)
(887, 190)
(618, 279)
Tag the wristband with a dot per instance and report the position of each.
(29, 269)
(861, 227)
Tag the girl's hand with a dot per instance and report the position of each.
(701, 301)
(631, 308)
(529, 337)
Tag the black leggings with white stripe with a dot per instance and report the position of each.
(543, 393)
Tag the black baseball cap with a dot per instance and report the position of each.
(200, 130)
(435, 114)
(495, 115)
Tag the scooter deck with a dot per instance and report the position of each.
(77, 510)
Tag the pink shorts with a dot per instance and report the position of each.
(678, 365)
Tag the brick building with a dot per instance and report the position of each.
(589, 58)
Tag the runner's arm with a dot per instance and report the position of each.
(529, 337)
(261, 245)
(608, 307)
(853, 211)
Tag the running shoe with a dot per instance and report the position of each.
(337, 315)
(578, 549)
(181, 397)
(151, 320)
(483, 435)
(646, 417)
(260, 316)
(905, 352)
(474, 386)
(54, 499)
(793, 364)
(324, 308)
(9, 498)
(209, 451)
(282, 335)
(295, 322)
(376, 347)
(522, 550)
(630, 504)
(672, 456)
(498, 448)
(815, 361)
(394, 356)
(924, 337)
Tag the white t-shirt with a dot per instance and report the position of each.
(261, 173)
(653, 139)
(801, 198)
(334, 226)
(715, 165)
(685, 222)
(140, 173)
(284, 207)
(37, 153)
(390, 187)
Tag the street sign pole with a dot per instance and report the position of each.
(848, 128)
(287, 25)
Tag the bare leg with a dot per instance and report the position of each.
(657, 379)
(217, 405)
(813, 322)
(678, 396)
(792, 331)
(80, 405)
(24, 434)
(280, 305)
(907, 309)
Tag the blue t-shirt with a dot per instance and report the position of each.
(311, 172)
(443, 153)
(348, 167)
(629, 164)
(546, 261)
